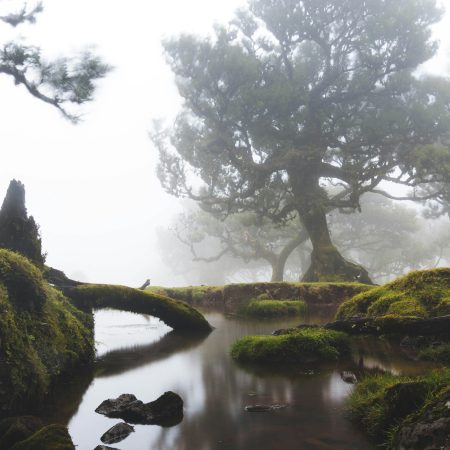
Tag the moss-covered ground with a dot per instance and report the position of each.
(301, 346)
(268, 309)
(42, 335)
(176, 314)
(384, 404)
(420, 294)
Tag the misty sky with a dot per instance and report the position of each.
(92, 187)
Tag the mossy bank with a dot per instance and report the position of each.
(419, 294)
(42, 336)
(230, 298)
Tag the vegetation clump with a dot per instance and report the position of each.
(174, 313)
(266, 309)
(42, 335)
(420, 294)
(298, 346)
(385, 405)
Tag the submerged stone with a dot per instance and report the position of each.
(263, 408)
(117, 433)
(166, 410)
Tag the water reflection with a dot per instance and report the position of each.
(216, 390)
(119, 361)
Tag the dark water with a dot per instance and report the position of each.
(140, 355)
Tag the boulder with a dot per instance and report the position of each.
(431, 430)
(117, 433)
(166, 410)
(105, 447)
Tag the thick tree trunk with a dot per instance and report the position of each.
(327, 264)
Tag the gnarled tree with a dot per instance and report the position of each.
(63, 83)
(297, 95)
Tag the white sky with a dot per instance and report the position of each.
(92, 187)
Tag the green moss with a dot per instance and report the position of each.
(51, 437)
(176, 314)
(422, 294)
(195, 295)
(407, 308)
(296, 347)
(382, 403)
(23, 281)
(273, 308)
(36, 345)
(17, 429)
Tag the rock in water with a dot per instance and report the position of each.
(115, 407)
(166, 410)
(105, 447)
(349, 377)
(117, 433)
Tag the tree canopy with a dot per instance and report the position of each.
(294, 96)
(63, 83)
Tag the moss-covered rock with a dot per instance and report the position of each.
(384, 404)
(427, 429)
(176, 314)
(420, 294)
(42, 335)
(267, 309)
(23, 281)
(17, 429)
(296, 346)
(51, 437)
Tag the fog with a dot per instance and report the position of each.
(92, 187)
